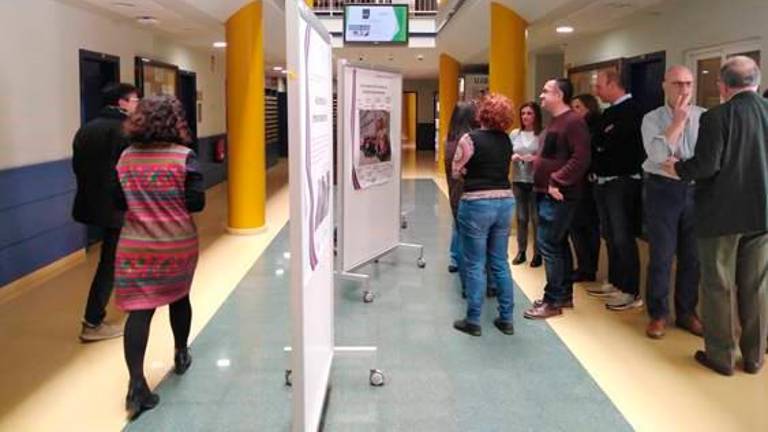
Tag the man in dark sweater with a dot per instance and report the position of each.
(97, 147)
(559, 175)
(618, 157)
(730, 167)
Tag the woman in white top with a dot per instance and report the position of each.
(525, 146)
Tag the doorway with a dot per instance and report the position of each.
(96, 71)
(645, 74)
(188, 98)
(705, 65)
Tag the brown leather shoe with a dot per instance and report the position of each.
(568, 304)
(692, 324)
(656, 328)
(543, 311)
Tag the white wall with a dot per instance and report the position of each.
(684, 25)
(39, 78)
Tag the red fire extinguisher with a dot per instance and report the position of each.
(220, 151)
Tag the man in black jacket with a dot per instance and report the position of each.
(730, 167)
(96, 148)
(618, 157)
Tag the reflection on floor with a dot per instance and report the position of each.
(50, 380)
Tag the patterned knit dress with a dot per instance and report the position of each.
(158, 247)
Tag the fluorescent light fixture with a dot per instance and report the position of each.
(705, 72)
(564, 29)
(279, 272)
(219, 44)
(223, 363)
(286, 255)
(277, 68)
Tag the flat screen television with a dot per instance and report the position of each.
(376, 24)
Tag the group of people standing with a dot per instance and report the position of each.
(138, 181)
(693, 183)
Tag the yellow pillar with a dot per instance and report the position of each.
(245, 120)
(310, 3)
(412, 117)
(449, 95)
(508, 54)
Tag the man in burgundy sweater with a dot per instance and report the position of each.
(559, 175)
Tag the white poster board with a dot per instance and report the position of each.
(370, 108)
(310, 122)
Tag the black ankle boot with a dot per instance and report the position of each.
(519, 258)
(139, 399)
(181, 361)
(536, 261)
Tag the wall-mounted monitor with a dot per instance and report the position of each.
(376, 24)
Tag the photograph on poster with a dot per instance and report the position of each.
(375, 146)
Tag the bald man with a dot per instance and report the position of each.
(668, 132)
(730, 167)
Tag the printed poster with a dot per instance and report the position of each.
(372, 128)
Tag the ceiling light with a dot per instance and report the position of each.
(420, 57)
(278, 69)
(147, 20)
(219, 44)
(564, 29)
(124, 4)
(705, 72)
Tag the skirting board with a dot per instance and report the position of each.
(21, 285)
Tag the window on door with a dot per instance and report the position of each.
(705, 64)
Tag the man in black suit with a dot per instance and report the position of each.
(617, 161)
(730, 167)
(96, 149)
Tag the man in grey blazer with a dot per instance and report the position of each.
(730, 167)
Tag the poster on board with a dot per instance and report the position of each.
(310, 120)
(372, 125)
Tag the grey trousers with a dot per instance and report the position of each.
(734, 292)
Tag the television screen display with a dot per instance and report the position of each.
(376, 24)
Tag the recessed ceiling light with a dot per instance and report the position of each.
(278, 69)
(564, 29)
(705, 72)
(147, 20)
(420, 57)
(219, 44)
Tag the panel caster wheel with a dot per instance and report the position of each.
(288, 378)
(376, 261)
(421, 263)
(376, 378)
(403, 225)
(368, 297)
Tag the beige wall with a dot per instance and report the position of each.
(39, 78)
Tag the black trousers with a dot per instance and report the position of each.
(585, 233)
(669, 214)
(619, 207)
(103, 280)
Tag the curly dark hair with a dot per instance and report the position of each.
(158, 119)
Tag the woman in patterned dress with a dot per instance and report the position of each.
(159, 186)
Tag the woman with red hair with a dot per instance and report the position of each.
(483, 159)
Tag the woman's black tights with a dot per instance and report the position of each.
(137, 334)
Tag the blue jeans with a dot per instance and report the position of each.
(555, 219)
(484, 232)
(455, 252)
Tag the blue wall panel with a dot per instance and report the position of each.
(36, 228)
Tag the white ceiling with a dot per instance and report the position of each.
(466, 37)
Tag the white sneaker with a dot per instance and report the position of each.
(605, 290)
(101, 332)
(623, 301)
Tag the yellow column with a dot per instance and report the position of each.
(245, 120)
(449, 95)
(310, 3)
(507, 54)
(412, 117)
